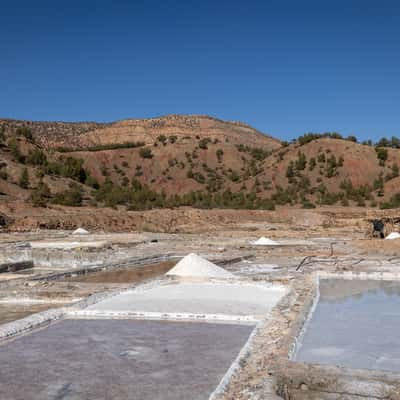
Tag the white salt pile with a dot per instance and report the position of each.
(393, 235)
(263, 241)
(80, 231)
(195, 266)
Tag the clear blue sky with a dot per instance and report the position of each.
(285, 67)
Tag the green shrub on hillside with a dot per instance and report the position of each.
(3, 174)
(203, 143)
(23, 181)
(394, 202)
(101, 147)
(309, 137)
(301, 161)
(394, 142)
(307, 204)
(24, 131)
(357, 194)
(331, 166)
(162, 139)
(284, 196)
(2, 134)
(145, 153)
(234, 176)
(382, 155)
(394, 173)
(351, 138)
(92, 182)
(329, 199)
(379, 183)
(16, 154)
(321, 157)
(36, 157)
(312, 163)
(40, 195)
(257, 153)
(71, 167)
(219, 153)
(69, 197)
(290, 171)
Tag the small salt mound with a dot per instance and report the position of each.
(393, 235)
(263, 241)
(195, 266)
(80, 231)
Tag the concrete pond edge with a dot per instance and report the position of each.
(298, 380)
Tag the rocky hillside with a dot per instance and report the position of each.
(188, 160)
(184, 128)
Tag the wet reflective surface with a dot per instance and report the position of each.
(356, 324)
(119, 360)
(126, 275)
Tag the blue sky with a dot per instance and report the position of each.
(285, 67)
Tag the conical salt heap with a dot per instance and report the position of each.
(80, 231)
(263, 241)
(195, 266)
(393, 235)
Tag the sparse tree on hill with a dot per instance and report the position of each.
(382, 155)
(162, 139)
(15, 151)
(40, 195)
(290, 170)
(24, 179)
(301, 161)
(219, 154)
(24, 131)
(312, 163)
(2, 134)
(145, 152)
(352, 138)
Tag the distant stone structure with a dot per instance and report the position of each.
(378, 228)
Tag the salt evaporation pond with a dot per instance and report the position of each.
(125, 275)
(119, 360)
(194, 298)
(13, 311)
(355, 324)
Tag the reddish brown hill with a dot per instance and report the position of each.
(329, 162)
(360, 162)
(184, 152)
(179, 154)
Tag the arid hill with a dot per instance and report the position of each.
(195, 161)
(81, 135)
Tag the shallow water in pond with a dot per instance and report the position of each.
(356, 324)
(11, 312)
(119, 360)
(126, 275)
